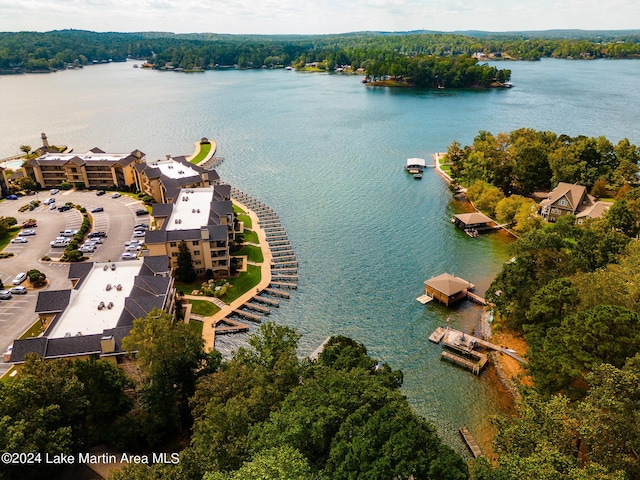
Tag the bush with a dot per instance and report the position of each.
(65, 186)
(36, 277)
(79, 185)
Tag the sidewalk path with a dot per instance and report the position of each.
(208, 333)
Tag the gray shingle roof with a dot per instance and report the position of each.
(52, 301)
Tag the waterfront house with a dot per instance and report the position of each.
(565, 199)
(97, 312)
(447, 288)
(4, 182)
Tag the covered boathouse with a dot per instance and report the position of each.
(415, 165)
(475, 220)
(447, 288)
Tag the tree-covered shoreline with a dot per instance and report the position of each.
(49, 51)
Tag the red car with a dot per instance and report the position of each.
(29, 224)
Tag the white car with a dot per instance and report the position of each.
(59, 243)
(49, 201)
(128, 256)
(26, 233)
(133, 248)
(68, 233)
(18, 290)
(138, 234)
(87, 248)
(20, 240)
(115, 195)
(53, 191)
(21, 277)
(133, 242)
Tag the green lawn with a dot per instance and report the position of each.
(205, 148)
(35, 330)
(446, 168)
(243, 283)
(6, 238)
(250, 236)
(237, 209)
(196, 325)
(254, 254)
(246, 219)
(203, 307)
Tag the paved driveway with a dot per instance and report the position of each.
(117, 219)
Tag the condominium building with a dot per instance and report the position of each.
(92, 317)
(94, 168)
(163, 179)
(202, 218)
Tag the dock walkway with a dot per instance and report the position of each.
(471, 442)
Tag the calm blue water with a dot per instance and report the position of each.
(327, 153)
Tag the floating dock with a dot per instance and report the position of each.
(437, 335)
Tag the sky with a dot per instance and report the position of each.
(316, 16)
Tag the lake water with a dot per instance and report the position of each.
(327, 154)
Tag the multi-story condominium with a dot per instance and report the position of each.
(94, 168)
(93, 317)
(163, 179)
(203, 219)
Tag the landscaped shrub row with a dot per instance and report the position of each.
(71, 252)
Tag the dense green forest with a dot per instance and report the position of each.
(264, 414)
(33, 51)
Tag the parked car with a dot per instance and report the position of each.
(20, 240)
(5, 295)
(68, 233)
(6, 356)
(11, 197)
(52, 206)
(141, 226)
(95, 240)
(64, 208)
(26, 233)
(21, 277)
(59, 243)
(53, 191)
(100, 193)
(138, 233)
(115, 195)
(128, 256)
(142, 211)
(133, 248)
(29, 224)
(97, 234)
(87, 248)
(133, 242)
(97, 209)
(49, 201)
(18, 290)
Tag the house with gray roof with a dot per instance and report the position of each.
(571, 199)
(93, 317)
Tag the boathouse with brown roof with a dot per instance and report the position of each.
(447, 288)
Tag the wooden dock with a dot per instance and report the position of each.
(437, 335)
(257, 308)
(284, 284)
(247, 315)
(474, 366)
(268, 301)
(279, 293)
(424, 299)
(476, 298)
(471, 442)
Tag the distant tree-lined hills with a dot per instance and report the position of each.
(49, 51)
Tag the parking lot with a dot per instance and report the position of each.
(117, 220)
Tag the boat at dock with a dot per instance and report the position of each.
(417, 176)
(415, 166)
